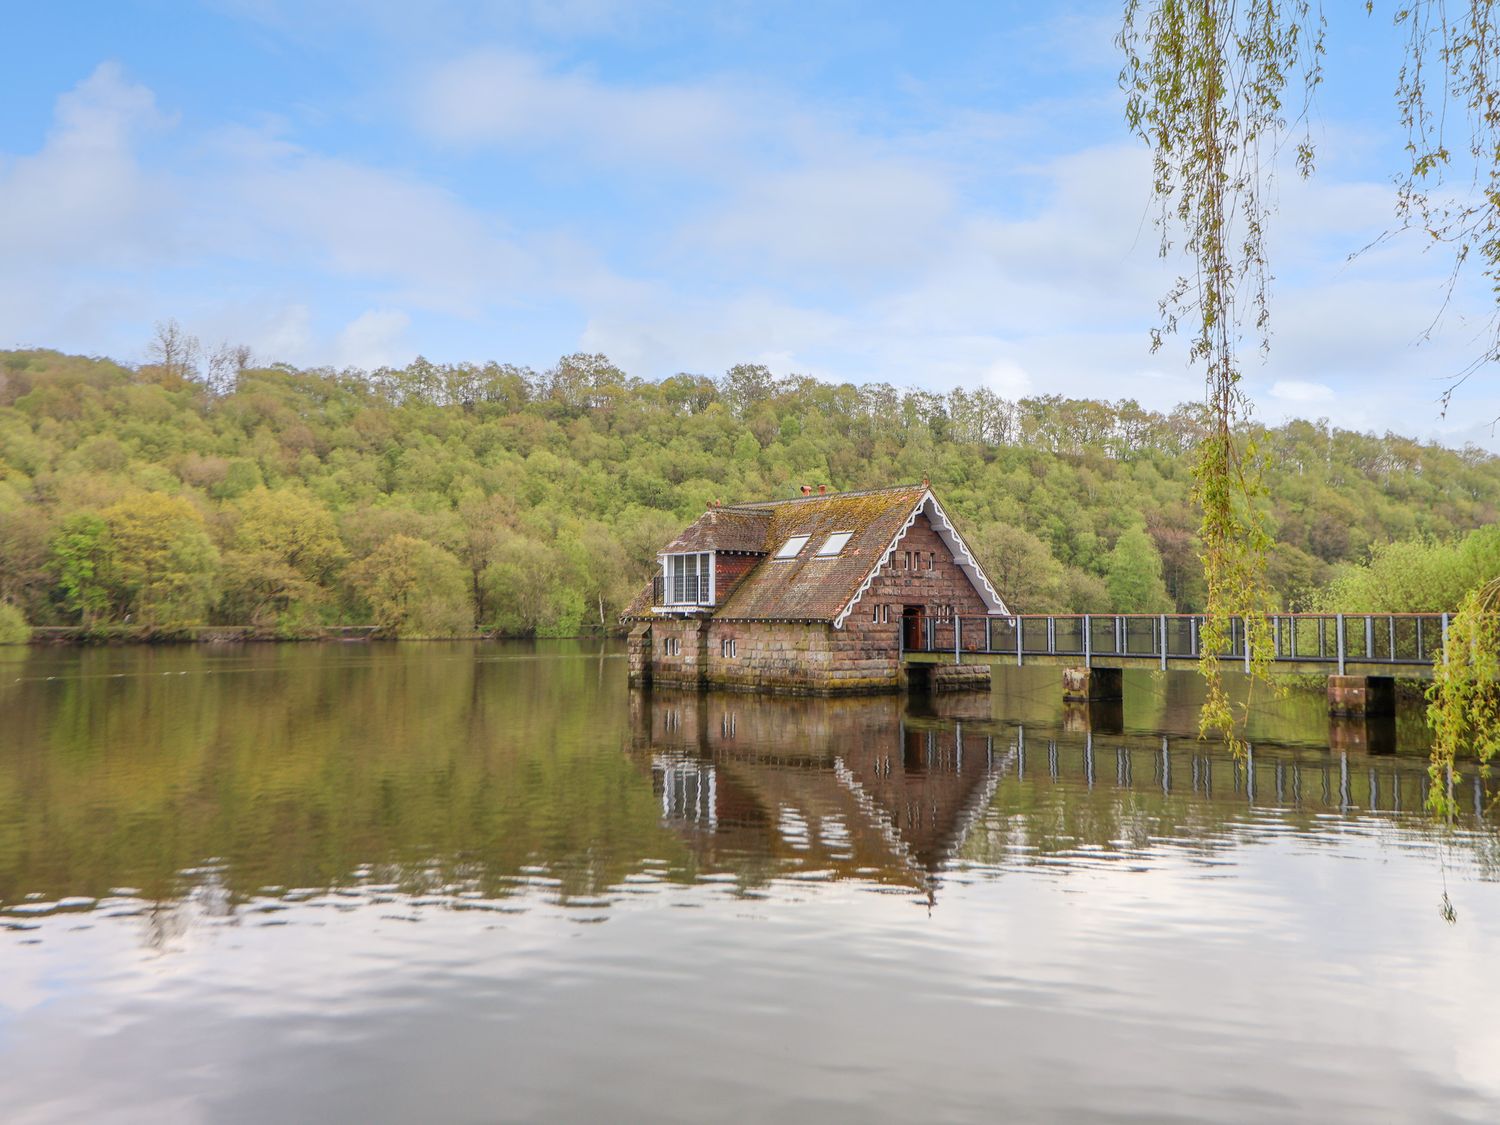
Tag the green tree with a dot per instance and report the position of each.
(530, 588)
(1084, 592)
(414, 589)
(13, 627)
(283, 555)
(1421, 575)
(1134, 575)
(24, 533)
(81, 557)
(487, 523)
(606, 581)
(1022, 567)
(163, 567)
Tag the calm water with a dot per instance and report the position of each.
(490, 883)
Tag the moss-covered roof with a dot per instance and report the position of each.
(809, 588)
(804, 587)
(724, 529)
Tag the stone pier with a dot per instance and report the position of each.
(1093, 685)
(638, 652)
(1361, 697)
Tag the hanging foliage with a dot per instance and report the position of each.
(1448, 95)
(1464, 699)
(1219, 90)
(1206, 83)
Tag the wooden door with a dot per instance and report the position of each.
(911, 624)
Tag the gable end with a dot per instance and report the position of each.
(958, 550)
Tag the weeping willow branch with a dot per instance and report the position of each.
(1205, 82)
(1448, 97)
(1464, 699)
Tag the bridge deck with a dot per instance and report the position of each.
(1372, 644)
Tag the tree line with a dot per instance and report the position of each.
(444, 499)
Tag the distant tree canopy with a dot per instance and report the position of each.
(1419, 575)
(434, 499)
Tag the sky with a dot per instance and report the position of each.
(933, 196)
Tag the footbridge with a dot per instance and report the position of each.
(1362, 653)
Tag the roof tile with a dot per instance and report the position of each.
(805, 587)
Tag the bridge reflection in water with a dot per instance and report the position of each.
(868, 789)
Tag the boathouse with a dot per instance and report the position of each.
(817, 594)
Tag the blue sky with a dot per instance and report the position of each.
(929, 195)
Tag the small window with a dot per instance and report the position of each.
(726, 648)
(931, 560)
(885, 614)
(875, 614)
(792, 546)
(671, 646)
(834, 544)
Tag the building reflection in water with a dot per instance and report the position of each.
(845, 787)
(870, 789)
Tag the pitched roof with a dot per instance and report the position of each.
(806, 587)
(724, 529)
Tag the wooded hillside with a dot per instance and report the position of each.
(434, 498)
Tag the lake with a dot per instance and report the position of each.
(491, 882)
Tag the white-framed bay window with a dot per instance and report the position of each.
(688, 579)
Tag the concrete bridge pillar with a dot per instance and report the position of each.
(1361, 697)
(1093, 685)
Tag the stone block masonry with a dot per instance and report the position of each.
(1093, 685)
(638, 654)
(1361, 696)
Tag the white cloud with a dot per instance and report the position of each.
(84, 194)
(1008, 379)
(375, 338)
(286, 332)
(843, 218)
(1297, 391)
(362, 223)
(493, 96)
(95, 249)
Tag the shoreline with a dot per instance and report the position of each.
(80, 636)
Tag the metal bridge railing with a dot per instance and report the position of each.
(1395, 639)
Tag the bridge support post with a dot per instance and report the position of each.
(1093, 685)
(1362, 697)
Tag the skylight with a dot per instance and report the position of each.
(834, 544)
(790, 548)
